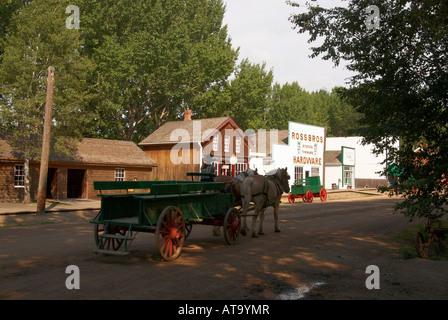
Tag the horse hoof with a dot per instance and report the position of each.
(254, 235)
(277, 230)
(261, 233)
(243, 232)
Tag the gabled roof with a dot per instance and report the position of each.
(199, 130)
(92, 152)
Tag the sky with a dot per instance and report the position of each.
(263, 33)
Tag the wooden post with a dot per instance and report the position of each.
(43, 174)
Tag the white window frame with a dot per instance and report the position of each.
(314, 173)
(226, 143)
(120, 174)
(19, 176)
(238, 145)
(215, 142)
(298, 173)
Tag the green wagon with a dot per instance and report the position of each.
(168, 209)
(307, 189)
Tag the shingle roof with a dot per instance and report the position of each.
(92, 151)
(263, 141)
(332, 157)
(190, 131)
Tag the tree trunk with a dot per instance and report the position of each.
(27, 196)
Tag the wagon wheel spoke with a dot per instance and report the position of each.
(232, 226)
(107, 243)
(170, 233)
(323, 195)
(310, 196)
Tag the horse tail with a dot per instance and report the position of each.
(246, 193)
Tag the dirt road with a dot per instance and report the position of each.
(322, 253)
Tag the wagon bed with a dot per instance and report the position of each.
(167, 208)
(307, 189)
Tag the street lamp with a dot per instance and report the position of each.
(233, 161)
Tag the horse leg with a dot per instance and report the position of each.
(257, 210)
(244, 227)
(254, 222)
(260, 227)
(276, 207)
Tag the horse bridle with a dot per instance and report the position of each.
(280, 187)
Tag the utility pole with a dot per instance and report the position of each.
(43, 174)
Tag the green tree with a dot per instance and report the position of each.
(399, 87)
(36, 38)
(343, 119)
(289, 102)
(153, 59)
(249, 92)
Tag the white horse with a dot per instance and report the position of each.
(233, 185)
(263, 191)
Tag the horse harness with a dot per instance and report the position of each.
(265, 190)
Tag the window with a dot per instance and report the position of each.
(348, 176)
(226, 143)
(19, 175)
(119, 174)
(298, 173)
(238, 145)
(215, 142)
(314, 171)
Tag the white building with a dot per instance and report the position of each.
(300, 149)
(345, 163)
(349, 164)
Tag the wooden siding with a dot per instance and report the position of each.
(61, 180)
(166, 169)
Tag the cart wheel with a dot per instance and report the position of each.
(310, 196)
(419, 244)
(232, 226)
(290, 198)
(170, 233)
(107, 243)
(323, 195)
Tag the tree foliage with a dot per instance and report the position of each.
(153, 59)
(36, 39)
(401, 68)
(290, 102)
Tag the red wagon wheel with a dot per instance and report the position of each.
(323, 195)
(309, 196)
(108, 243)
(291, 198)
(170, 233)
(232, 226)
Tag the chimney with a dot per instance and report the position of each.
(187, 115)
